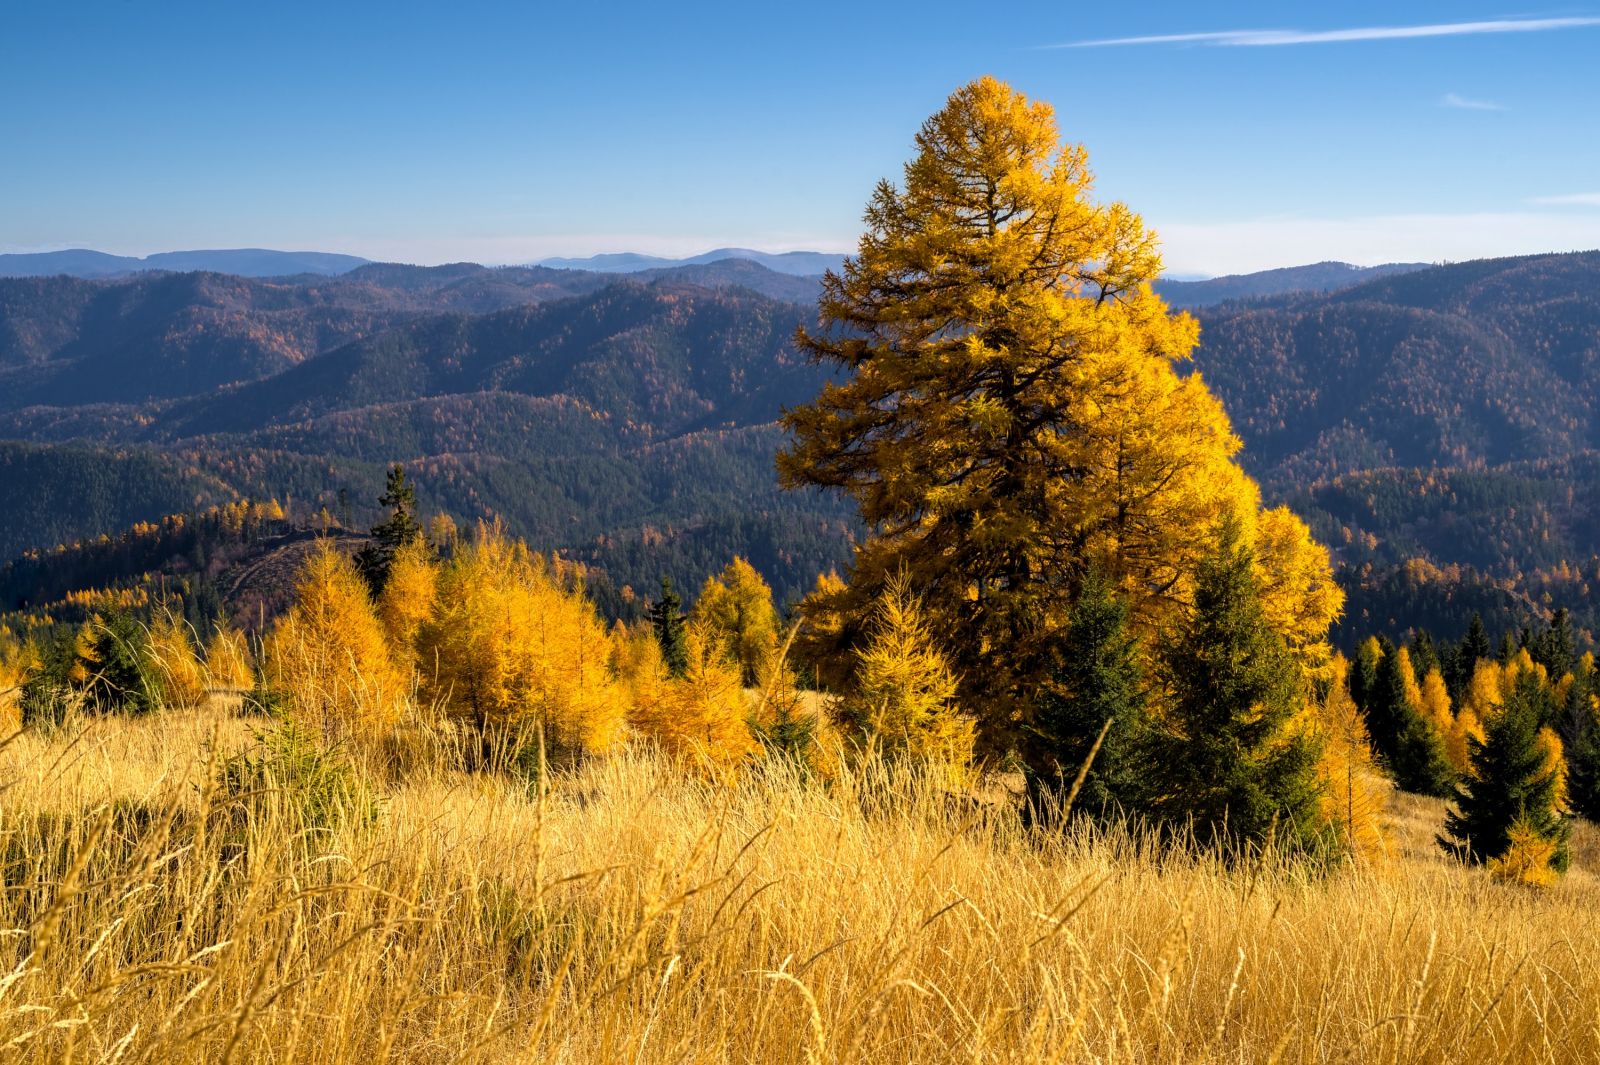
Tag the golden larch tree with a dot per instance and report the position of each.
(172, 653)
(903, 701)
(509, 644)
(1355, 791)
(1011, 409)
(328, 656)
(407, 598)
(700, 717)
(735, 613)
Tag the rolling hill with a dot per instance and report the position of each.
(1437, 426)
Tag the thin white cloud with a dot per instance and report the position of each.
(1576, 199)
(1466, 103)
(1259, 244)
(1271, 38)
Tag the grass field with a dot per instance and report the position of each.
(628, 912)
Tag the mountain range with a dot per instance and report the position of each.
(245, 262)
(1437, 425)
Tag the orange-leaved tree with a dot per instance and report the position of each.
(1011, 410)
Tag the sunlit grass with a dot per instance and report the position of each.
(636, 913)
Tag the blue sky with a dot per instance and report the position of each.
(504, 132)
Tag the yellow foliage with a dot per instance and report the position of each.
(1555, 763)
(700, 717)
(737, 617)
(1297, 594)
(508, 645)
(228, 661)
(1433, 703)
(1527, 860)
(1354, 793)
(903, 698)
(1012, 407)
(183, 681)
(407, 598)
(1485, 692)
(1466, 726)
(329, 658)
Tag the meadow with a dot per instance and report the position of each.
(157, 907)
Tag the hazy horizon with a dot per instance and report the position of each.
(495, 133)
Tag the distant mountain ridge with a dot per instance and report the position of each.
(1438, 427)
(241, 262)
(1314, 277)
(795, 263)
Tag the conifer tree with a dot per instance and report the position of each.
(735, 611)
(1097, 680)
(1364, 672)
(903, 699)
(513, 648)
(228, 663)
(172, 655)
(1424, 657)
(1351, 797)
(700, 716)
(1556, 646)
(1474, 648)
(1228, 755)
(1421, 760)
(407, 599)
(121, 672)
(1386, 706)
(392, 533)
(1583, 768)
(1010, 409)
(667, 619)
(1510, 784)
(327, 656)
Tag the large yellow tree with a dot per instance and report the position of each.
(1010, 410)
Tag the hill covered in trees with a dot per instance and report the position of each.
(1435, 426)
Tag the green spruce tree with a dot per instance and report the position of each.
(1386, 707)
(1096, 684)
(1424, 656)
(1421, 763)
(1227, 758)
(667, 620)
(1583, 772)
(392, 533)
(1508, 783)
(1474, 648)
(122, 673)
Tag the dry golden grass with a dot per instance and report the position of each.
(635, 914)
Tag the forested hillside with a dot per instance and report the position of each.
(1436, 426)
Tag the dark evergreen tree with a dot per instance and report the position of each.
(1096, 679)
(1474, 648)
(392, 533)
(1386, 708)
(1225, 757)
(1420, 763)
(122, 674)
(1583, 768)
(1556, 647)
(1508, 782)
(666, 618)
(44, 696)
(1364, 673)
(1508, 648)
(1424, 657)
